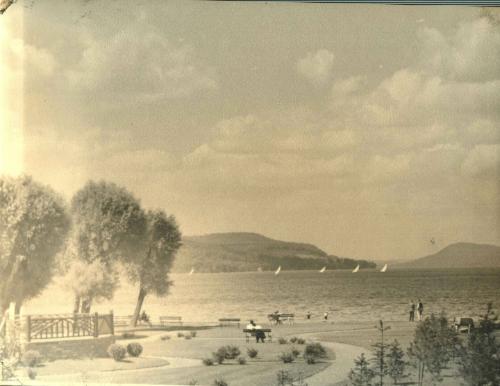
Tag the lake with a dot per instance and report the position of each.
(346, 296)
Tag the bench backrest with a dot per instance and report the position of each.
(257, 329)
(170, 317)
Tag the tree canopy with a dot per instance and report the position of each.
(33, 227)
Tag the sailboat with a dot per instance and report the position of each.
(191, 272)
(322, 269)
(356, 269)
(384, 268)
(278, 270)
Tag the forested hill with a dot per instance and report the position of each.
(238, 252)
(460, 255)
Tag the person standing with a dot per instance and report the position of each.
(420, 309)
(325, 316)
(412, 311)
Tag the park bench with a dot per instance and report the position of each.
(164, 320)
(280, 318)
(463, 324)
(251, 333)
(229, 321)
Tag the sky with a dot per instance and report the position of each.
(367, 130)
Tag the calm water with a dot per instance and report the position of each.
(364, 296)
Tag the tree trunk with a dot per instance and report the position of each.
(76, 306)
(86, 305)
(138, 306)
(19, 304)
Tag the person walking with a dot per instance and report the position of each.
(420, 309)
(412, 311)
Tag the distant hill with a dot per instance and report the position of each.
(459, 255)
(233, 252)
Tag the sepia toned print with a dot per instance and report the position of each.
(249, 193)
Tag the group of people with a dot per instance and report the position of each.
(259, 334)
(419, 307)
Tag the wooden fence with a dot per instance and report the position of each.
(68, 326)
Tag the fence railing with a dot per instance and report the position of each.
(68, 326)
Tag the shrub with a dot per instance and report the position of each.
(31, 372)
(208, 361)
(193, 382)
(134, 349)
(282, 340)
(287, 357)
(193, 334)
(180, 335)
(301, 341)
(128, 335)
(293, 339)
(219, 355)
(220, 382)
(252, 353)
(284, 378)
(31, 358)
(232, 352)
(117, 351)
(313, 352)
(242, 361)
(187, 337)
(295, 352)
(165, 337)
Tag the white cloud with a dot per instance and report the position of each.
(147, 66)
(317, 66)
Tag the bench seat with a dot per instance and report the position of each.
(251, 332)
(170, 319)
(229, 321)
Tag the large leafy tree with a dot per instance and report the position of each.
(33, 227)
(108, 227)
(151, 267)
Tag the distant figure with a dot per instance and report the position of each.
(412, 311)
(276, 317)
(308, 315)
(325, 316)
(420, 309)
(145, 318)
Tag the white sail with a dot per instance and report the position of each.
(322, 269)
(356, 269)
(278, 270)
(192, 271)
(384, 268)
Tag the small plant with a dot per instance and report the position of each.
(361, 374)
(187, 337)
(117, 351)
(165, 337)
(284, 378)
(295, 352)
(313, 352)
(31, 358)
(220, 382)
(193, 382)
(219, 355)
(282, 340)
(193, 334)
(287, 357)
(128, 335)
(252, 353)
(242, 361)
(180, 335)
(232, 352)
(208, 361)
(31, 372)
(301, 341)
(134, 349)
(293, 339)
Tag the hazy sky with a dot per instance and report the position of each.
(366, 130)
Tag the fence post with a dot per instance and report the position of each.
(112, 323)
(28, 328)
(96, 325)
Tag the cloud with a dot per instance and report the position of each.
(483, 161)
(140, 67)
(316, 66)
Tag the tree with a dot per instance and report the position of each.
(396, 365)
(433, 346)
(33, 227)
(150, 268)
(379, 354)
(108, 227)
(479, 362)
(361, 374)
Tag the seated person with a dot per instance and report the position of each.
(145, 318)
(259, 334)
